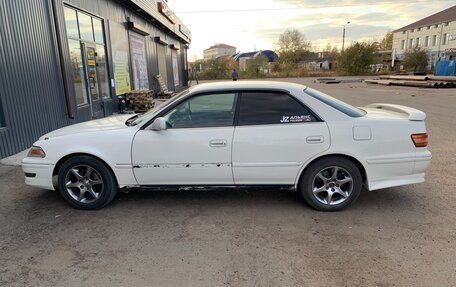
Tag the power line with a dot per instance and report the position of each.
(309, 7)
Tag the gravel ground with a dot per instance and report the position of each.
(402, 236)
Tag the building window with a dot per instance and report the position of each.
(413, 30)
(436, 25)
(435, 40)
(71, 22)
(85, 26)
(428, 27)
(84, 29)
(78, 72)
(403, 32)
(447, 23)
(403, 45)
(98, 30)
(418, 42)
(410, 45)
(426, 41)
(419, 29)
(444, 39)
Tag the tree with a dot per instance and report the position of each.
(356, 59)
(331, 51)
(219, 68)
(292, 48)
(416, 59)
(387, 42)
(255, 67)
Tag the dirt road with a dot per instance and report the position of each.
(402, 236)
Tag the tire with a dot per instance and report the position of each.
(331, 183)
(86, 183)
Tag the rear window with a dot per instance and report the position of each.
(345, 108)
(263, 108)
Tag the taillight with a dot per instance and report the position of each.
(420, 140)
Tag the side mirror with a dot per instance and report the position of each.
(159, 124)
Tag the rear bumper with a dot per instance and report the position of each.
(38, 174)
(398, 171)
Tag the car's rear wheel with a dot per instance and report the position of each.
(86, 183)
(331, 184)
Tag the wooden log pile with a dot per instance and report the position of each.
(140, 100)
(415, 81)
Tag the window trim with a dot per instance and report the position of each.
(287, 93)
(237, 91)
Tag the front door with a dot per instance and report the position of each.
(91, 71)
(195, 149)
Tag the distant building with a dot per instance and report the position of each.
(243, 58)
(218, 50)
(436, 33)
(319, 61)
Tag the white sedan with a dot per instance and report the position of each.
(237, 134)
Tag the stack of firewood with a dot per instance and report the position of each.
(140, 100)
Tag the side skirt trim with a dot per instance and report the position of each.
(217, 187)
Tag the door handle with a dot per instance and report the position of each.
(314, 139)
(217, 143)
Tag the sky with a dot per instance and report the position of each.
(256, 24)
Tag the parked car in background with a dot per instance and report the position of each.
(237, 134)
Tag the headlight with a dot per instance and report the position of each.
(36, 151)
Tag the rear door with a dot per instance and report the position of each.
(274, 136)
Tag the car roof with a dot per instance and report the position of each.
(246, 85)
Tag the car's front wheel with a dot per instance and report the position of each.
(86, 183)
(331, 184)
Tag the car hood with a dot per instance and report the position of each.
(104, 124)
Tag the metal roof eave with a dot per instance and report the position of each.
(154, 17)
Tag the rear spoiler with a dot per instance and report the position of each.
(413, 114)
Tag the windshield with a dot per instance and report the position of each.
(137, 119)
(335, 103)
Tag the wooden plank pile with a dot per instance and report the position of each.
(416, 81)
(140, 100)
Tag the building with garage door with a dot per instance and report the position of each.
(64, 62)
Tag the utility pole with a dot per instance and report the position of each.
(343, 36)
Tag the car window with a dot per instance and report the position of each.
(335, 103)
(147, 116)
(261, 108)
(209, 110)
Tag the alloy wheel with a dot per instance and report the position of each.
(84, 183)
(332, 185)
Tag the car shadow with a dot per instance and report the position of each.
(386, 199)
(392, 198)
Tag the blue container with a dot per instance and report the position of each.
(445, 68)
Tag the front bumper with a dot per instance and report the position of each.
(38, 174)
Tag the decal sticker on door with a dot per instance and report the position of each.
(295, 119)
